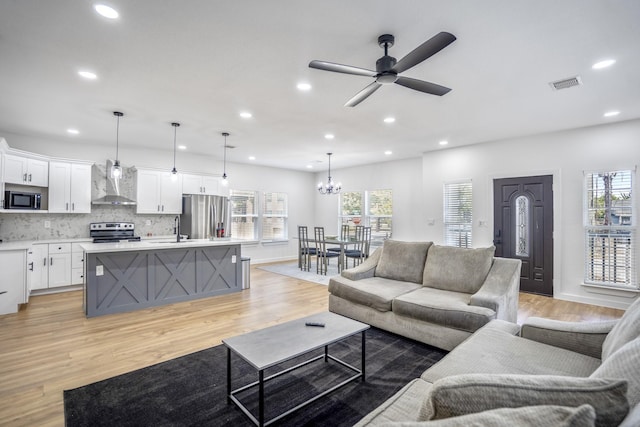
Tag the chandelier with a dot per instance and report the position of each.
(331, 187)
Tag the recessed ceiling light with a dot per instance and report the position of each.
(329, 136)
(443, 142)
(389, 119)
(73, 131)
(87, 74)
(388, 152)
(182, 147)
(106, 11)
(603, 64)
(611, 113)
(304, 87)
(309, 166)
(252, 157)
(246, 115)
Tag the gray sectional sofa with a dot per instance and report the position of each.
(438, 295)
(545, 372)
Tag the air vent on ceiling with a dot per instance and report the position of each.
(566, 83)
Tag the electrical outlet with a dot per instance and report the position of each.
(47, 224)
(233, 259)
(99, 270)
(147, 222)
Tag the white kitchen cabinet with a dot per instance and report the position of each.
(13, 283)
(52, 266)
(200, 184)
(26, 171)
(158, 193)
(69, 187)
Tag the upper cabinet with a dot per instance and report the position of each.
(158, 192)
(26, 171)
(200, 184)
(69, 187)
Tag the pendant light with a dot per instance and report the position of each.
(225, 182)
(116, 170)
(174, 171)
(331, 187)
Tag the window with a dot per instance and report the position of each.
(244, 214)
(610, 229)
(350, 208)
(379, 214)
(458, 214)
(274, 217)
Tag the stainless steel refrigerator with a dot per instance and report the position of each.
(205, 217)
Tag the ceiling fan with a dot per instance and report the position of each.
(387, 68)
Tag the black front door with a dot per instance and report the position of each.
(523, 228)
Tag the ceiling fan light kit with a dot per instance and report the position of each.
(388, 68)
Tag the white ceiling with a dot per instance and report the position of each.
(202, 62)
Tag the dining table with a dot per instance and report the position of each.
(343, 243)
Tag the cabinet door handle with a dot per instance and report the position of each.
(51, 261)
(162, 208)
(29, 177)
(31, 266)
(158, 208)
(67, 208)
(73, 206)
(204, 189)
(44, 261)
(24, 177)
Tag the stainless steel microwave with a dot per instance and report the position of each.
(19, 200)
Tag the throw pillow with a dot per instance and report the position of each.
(526, 416)
(467, 394)
(624, 364)
(627, 329)
(402, 260)
(457, 269)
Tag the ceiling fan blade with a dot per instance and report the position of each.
(422, 86)
(363, 94)
(339, 68)
(432, 46)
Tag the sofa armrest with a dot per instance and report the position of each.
(581, 337)
(499, 292)
(366, 269)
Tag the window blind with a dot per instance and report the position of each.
(457, 216)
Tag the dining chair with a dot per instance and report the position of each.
(361, 250)
(322, 254)
(305, 252)
(344, 234)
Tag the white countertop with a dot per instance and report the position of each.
(15, 246)
(148, 245)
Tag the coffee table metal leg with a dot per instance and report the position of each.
(326, 353)
(228, 375)
(363, 351)
(261, 397)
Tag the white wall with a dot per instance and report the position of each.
(298, 185)
(565, 155)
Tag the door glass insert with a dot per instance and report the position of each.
(523, 218)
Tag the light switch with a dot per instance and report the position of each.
(431, 221)
(99, 270)
(233, 259)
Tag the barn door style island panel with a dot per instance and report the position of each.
(128, 276)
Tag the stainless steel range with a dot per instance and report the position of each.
(110, 232)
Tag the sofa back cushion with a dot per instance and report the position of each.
(402, 260)
(624, 364)
(457, 269)
(627, 329)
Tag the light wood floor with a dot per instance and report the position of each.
(50, 346)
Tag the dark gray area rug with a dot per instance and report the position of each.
(191, 390)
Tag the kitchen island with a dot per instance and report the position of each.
(127, 276)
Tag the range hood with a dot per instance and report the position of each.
(113, 196)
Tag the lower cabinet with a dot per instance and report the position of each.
(13, 283)
(56, 265)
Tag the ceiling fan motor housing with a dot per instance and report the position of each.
(384, 67)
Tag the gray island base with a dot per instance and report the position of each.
(122, 277)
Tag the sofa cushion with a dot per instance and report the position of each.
(374, 292)
(627, 329)
(624, 364)
(457, 269)
(492, 350)
(468, 394)
(402, 260)
(526, 416)
(446, 308)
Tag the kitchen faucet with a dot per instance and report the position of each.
(176, 224)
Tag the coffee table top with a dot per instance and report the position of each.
(269, 346)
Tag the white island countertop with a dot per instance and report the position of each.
(149, 245)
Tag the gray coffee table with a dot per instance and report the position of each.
(276, 344)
